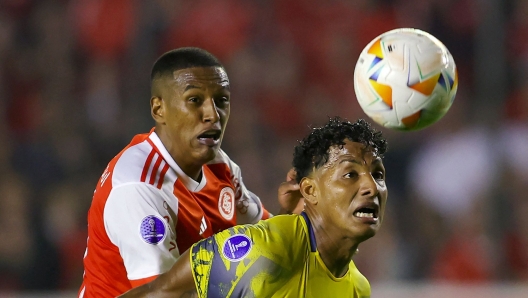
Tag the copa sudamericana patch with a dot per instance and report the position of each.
(236, 247)
(152, 229)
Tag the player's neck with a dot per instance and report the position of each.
(187, 165)
(336, 250)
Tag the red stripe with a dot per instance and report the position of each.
(147, 165)
(155, 170)
(162, 175)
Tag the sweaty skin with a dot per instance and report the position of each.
(191, 109)
(181, 78)
(333, 155)
(353, 180)
(353, 177)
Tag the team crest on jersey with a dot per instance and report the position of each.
(152, 229)
(237, 247)
(226, 203)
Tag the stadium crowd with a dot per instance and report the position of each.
(74, 87)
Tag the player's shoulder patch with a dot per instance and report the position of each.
(236, 247)
(152, 229)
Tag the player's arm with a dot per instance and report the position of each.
(139, 225)
(175, 283)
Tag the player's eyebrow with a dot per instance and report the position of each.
(188, 87)
(191, 87)
(378, 162)
(351, 160)
(375, 162)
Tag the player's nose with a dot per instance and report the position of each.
(368, 186)
(210, 111)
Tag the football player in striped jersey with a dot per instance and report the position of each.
(173, 186)
(342, 179)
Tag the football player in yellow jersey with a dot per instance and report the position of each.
(342, 179)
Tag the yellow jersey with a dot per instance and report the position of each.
(277, 257)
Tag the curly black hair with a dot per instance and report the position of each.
(313, 149)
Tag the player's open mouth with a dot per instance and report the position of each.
(367, 212)
(210, 137)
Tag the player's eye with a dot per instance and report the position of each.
(378, 175)
(222, 101)
(352, 174)
(194, 99)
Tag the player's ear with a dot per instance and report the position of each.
(308, 189)
(157, 109)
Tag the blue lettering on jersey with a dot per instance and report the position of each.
(237, 247)
(152, 229)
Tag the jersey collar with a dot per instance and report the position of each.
(313, 244)
(189, 183)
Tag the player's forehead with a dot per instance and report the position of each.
(200, 77)
(352, 151)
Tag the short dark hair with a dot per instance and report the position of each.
(313, 150)
(182, 58)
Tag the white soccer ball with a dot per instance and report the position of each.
(405, 79)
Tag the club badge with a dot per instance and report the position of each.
(226, 203)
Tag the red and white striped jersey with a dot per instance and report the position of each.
(146, 211)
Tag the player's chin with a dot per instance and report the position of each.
(366, 232)
(205, 154)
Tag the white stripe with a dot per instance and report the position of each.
(158, 174)
(81, 294)
(151, 167)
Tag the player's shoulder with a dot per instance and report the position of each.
(285, 224)
(279, 230)
(287, 233)
(360, 282)
(142, 161)
(131, 162)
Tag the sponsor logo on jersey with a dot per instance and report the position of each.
(152, 229)
(226, 203)
(237, 247)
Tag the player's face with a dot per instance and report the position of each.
(196, 113)
(352, 190)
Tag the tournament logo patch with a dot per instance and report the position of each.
(152, 229)
(237, 247)
(226, 203)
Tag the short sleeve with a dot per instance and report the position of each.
(136, 221)
(244, 259)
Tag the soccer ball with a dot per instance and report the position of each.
(405, 79)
